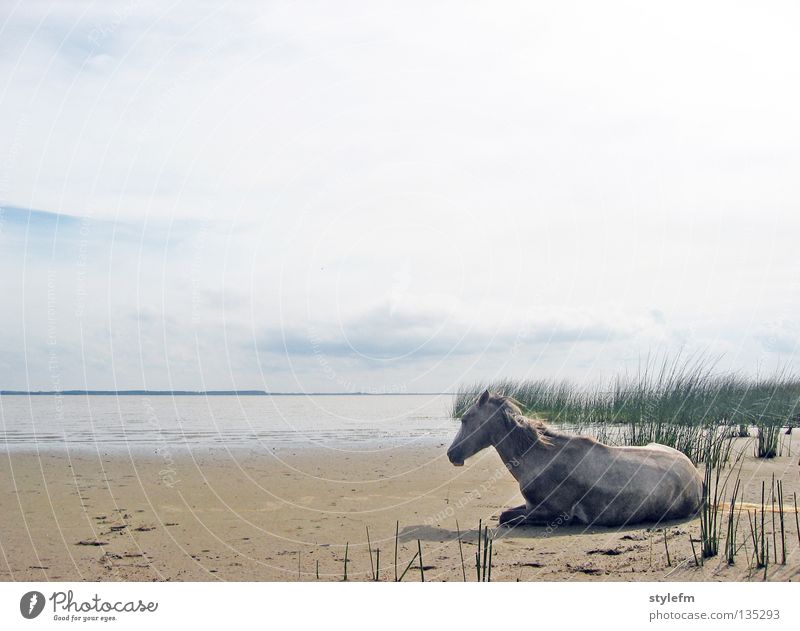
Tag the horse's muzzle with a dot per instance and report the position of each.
(455, 458)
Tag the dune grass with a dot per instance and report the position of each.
(672, 402)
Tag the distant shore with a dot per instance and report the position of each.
(207, 393)
(210, 393)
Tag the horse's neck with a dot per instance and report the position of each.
(517, 446)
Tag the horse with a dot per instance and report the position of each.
(577, 479)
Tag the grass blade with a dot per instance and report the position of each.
(414, 558)
(421, 565)
(461, 553)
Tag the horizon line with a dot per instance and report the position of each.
(261, 393)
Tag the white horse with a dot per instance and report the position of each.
(575, 476)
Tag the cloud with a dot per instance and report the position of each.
(387, 334)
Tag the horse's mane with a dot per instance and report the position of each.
(523, 430)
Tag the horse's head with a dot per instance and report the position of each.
(477, 425)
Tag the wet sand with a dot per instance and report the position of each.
(289, 514)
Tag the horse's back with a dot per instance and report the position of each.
(660, 447)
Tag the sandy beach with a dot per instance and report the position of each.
(289, 515)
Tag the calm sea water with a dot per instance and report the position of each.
(356, 422)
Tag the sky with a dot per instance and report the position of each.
(394, 196)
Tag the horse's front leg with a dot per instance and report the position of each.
(525, 516)
(513, 515)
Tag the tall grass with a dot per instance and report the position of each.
(758, 533)
(483, 565)
(716, 452)
(732, 526)
(674, 402)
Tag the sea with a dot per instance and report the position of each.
(108, 423)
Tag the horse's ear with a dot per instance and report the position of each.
(484, 398)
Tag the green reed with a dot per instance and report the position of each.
(483, 554)
(673, 402)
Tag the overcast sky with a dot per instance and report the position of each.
(394, 196)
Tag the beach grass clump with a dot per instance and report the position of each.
(758, 534)
(673, 402)
(743, 431)
(483, 555)
(732, 527)
(716, 451)
(768, 439)
(709, 512)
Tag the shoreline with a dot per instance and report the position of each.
(224, 516)
(204, 449)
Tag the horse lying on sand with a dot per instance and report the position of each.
(589, 482)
